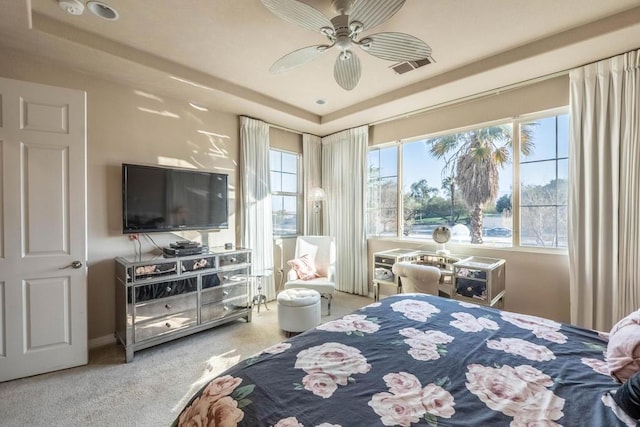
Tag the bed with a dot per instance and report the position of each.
(415, 359)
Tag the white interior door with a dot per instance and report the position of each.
(43, 276)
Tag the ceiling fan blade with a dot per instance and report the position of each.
(374, 12)
(298, 13)
(396, 47)
(346, 70)
(298, 57)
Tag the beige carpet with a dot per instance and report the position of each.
(150, 390)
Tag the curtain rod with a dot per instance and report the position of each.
(271, 125)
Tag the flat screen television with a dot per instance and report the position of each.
(160, 199)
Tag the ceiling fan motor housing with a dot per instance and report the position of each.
(341, 25)
(342, 32)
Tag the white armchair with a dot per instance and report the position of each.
(321, 250)
(423, 279)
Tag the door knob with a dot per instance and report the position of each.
(74, 264)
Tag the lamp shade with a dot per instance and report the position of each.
(317, 194)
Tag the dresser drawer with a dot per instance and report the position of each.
(166, 289)
(165, 307)
(238, 275)
(221, 293)
(219, 310)
(226, 277)
(233, 259)
(384, 260)
(151, 270)
(195, 264)
(157, 327)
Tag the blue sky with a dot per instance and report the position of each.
(418, 164)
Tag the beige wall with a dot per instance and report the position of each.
(133, 127)
(536, 282)
(285, 140)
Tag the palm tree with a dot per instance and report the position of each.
(474, 158)
(449, 186)
(421, 190)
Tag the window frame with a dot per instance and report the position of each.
(299, 195)
(516, 196)
(398, 176)
(516, 122)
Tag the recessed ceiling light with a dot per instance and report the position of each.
(102, 10)
(321, 101)
(198, 106)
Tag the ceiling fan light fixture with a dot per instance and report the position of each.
(356, 28)
(343, 42)
(328, 32)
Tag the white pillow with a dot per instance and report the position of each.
(304, 267)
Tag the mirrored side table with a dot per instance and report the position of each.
(258, 283)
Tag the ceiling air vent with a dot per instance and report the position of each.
(406, 66)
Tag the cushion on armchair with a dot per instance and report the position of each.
(304, 267)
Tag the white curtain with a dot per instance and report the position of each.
(604, 193)
(344, 168)
(312, 178)
(256, 225)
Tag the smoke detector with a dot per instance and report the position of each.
(72, 7)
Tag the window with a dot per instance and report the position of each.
(382, 203)
(285, 192)
(453, 179)
(544, 174)
(465, 180)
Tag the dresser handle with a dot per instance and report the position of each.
(168, 288)
(225, 308)
(232, 260)
(225, 277)
(167, 306)
(225, 293)
(168, 325)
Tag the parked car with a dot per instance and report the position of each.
(497, 232)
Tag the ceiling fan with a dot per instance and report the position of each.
(344, 32)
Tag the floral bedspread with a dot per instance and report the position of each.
(416, 359)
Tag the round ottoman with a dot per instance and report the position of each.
(298, 309)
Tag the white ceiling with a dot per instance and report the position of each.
(218, 52)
